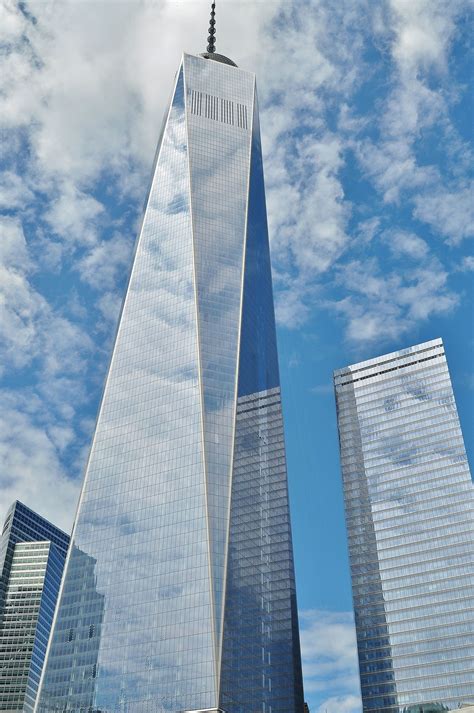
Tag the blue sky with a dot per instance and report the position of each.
(365, 113)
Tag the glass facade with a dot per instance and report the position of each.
(409, 502)
(31, 575)
(181, 562)
(24, 525)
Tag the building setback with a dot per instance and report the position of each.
(184, 513)
(409, 511)
(31, 573)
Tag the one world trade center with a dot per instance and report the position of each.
(179, 592)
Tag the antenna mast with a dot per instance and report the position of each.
(211, 47)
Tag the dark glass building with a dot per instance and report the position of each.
(182, 556)
(32, 556)
(409, 501)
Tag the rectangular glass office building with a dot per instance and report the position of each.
(27, 614)
(409, 510)
(179, 591)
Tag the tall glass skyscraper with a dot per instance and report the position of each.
(409, 501)
(32, 556)
(182, 556)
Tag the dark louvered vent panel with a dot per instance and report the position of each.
(224, 110)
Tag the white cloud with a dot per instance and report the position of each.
(403, 244)
(14, 193)
(20, 311)
(467, 264)
(423, 33)
(74, 215)
(368, 229)
(449, 213)
(392, 167)
(30, 329)
(384, 305)
(35, 423)
(20, 306)
(341, 704)
(304, 159)
(109, 304)
(11, 22)
(30, 464)
(61, 436)
(13, 250)
(105, 262)
(315, 232)
(290, 308)
(425, 292)
(328, 647)
(419, 36)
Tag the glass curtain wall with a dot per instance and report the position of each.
(25, 625)
(409, 502)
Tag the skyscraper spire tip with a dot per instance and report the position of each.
(211, 47)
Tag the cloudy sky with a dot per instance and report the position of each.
(365, 117)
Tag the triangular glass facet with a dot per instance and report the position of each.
(261, 642)
(219, 153)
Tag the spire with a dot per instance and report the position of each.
(211, 47)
